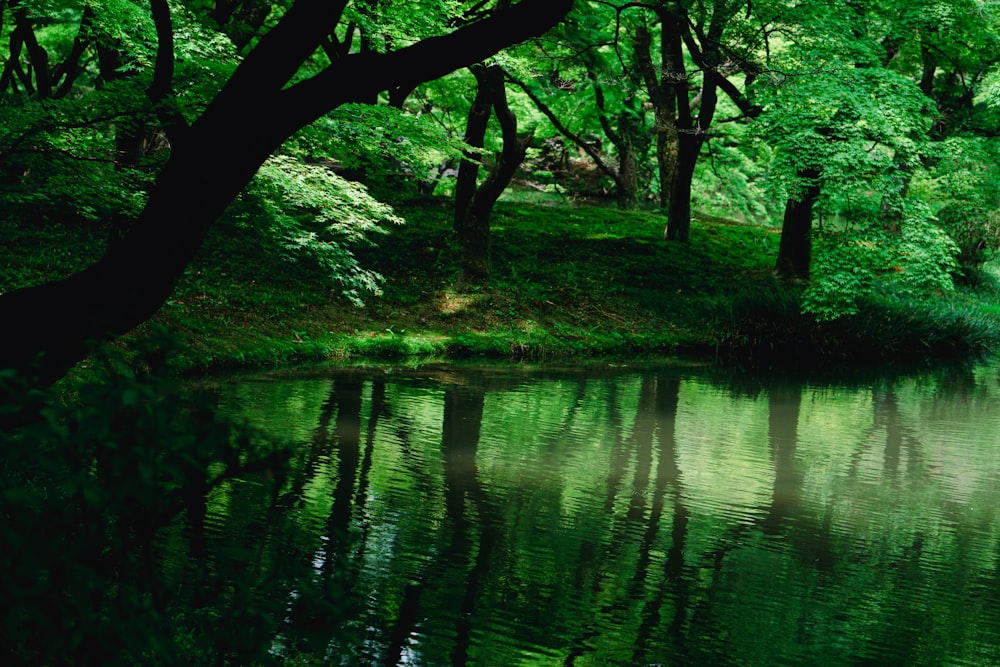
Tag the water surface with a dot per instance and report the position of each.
(635, 516)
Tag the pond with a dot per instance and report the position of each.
(650, 515)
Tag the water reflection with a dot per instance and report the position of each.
(662, 516)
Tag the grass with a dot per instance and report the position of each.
(567, 283)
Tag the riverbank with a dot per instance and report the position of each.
(567, 282)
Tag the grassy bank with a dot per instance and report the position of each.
(568, 282)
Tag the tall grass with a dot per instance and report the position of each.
(763, 327)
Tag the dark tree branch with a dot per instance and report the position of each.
(163, 71)
(511, 155)
(563, 129)
(712, 74)
(281, 51)
(50, 326)
(16, 45)
(70, 67)
(359, 75)
(7, 78)
(602, 112)
(39, 56)
(475, 138)
(160, 91)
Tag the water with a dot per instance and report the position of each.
(632, 516)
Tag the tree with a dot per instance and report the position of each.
(474, 202)
(263, 103)
(795, 248)
(585, 67)
(952, 52)
(839, 136)
(684, 111)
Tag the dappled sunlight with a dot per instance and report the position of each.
(452, 302)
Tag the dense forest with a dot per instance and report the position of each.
(865, 131)
(846, 153)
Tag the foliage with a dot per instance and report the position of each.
(765, 328)
(855, 264)
(62, 157)
(382, 146)
(965, 183)
(57, 160)
(729, 179)
(975, 228)
(861, 129)
(305, 211)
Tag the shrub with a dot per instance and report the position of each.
(851, 266)
(766, 329)
(975, 228)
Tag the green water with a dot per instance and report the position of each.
(633, 516)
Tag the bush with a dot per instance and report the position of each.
(975, 228)
(916, 260)
(766, 328)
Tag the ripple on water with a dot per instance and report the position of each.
(584, 522)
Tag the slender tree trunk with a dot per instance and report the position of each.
(627, 135)
(795, 248)
(662, 95)
(679, 212)
(474, 206)
(666, 161)
(632, 145)
(626, 182)
(627, 185)
(475, 137)
(473, 241)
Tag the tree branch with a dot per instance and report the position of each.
(38, 56)
(360, 75)
(163, 71)
(586, 146)
(70, 67)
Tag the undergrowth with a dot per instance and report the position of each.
(567, 282)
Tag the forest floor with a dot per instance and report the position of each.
(567, 282)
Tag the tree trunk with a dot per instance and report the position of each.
(474, 206)
(627, 184)
(663, 97)
(679, 213)
(48, 328)
(475, 137)
(632, 145)
(795, 248)
(628, 137)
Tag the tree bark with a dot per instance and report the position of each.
(795, 248)
(473, 241)
(679, 212)
(628, 138)
(663, 97)
(50, 327)
(474, 206)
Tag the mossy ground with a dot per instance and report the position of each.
(567, 282)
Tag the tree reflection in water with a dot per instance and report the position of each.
(639, 517)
